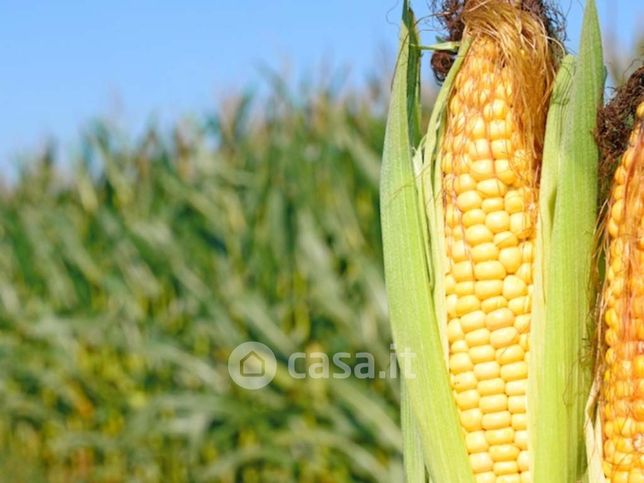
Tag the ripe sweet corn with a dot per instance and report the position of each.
(489, 162)
(487, 279)
(622, 393)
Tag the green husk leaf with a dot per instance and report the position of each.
(551, 162)
(562, 375)
(412, 444)
(411, 308)
(552, 152)
(450, 46)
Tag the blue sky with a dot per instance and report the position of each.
(67, 62)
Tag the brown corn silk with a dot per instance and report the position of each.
(490, 157)
(622, 389)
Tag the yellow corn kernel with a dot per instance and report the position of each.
(500, 436)
(481, 462)
(484, 289)
(493, 303)
(476, 442)
(485, 252)
(490, 205)
(482, 353)
(511, 258)
(499, 319)
(493, 403)
(513, 353)
(489, 387)
(504, 452)
(486, 477)
(489, 270)
(504, 337)
(498, 420)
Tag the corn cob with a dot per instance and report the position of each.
(490, 155)
(622, 393)
(474, 254)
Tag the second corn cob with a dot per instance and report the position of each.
(621, 403)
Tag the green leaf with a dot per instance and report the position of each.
(412, 443)
(540, 401)
(563, 382)
(552, 152)
(411, 308)
(450, 46)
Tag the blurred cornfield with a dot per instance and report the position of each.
(128, 274)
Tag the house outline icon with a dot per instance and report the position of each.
(249, 369)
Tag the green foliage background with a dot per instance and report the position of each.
(128, 276)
